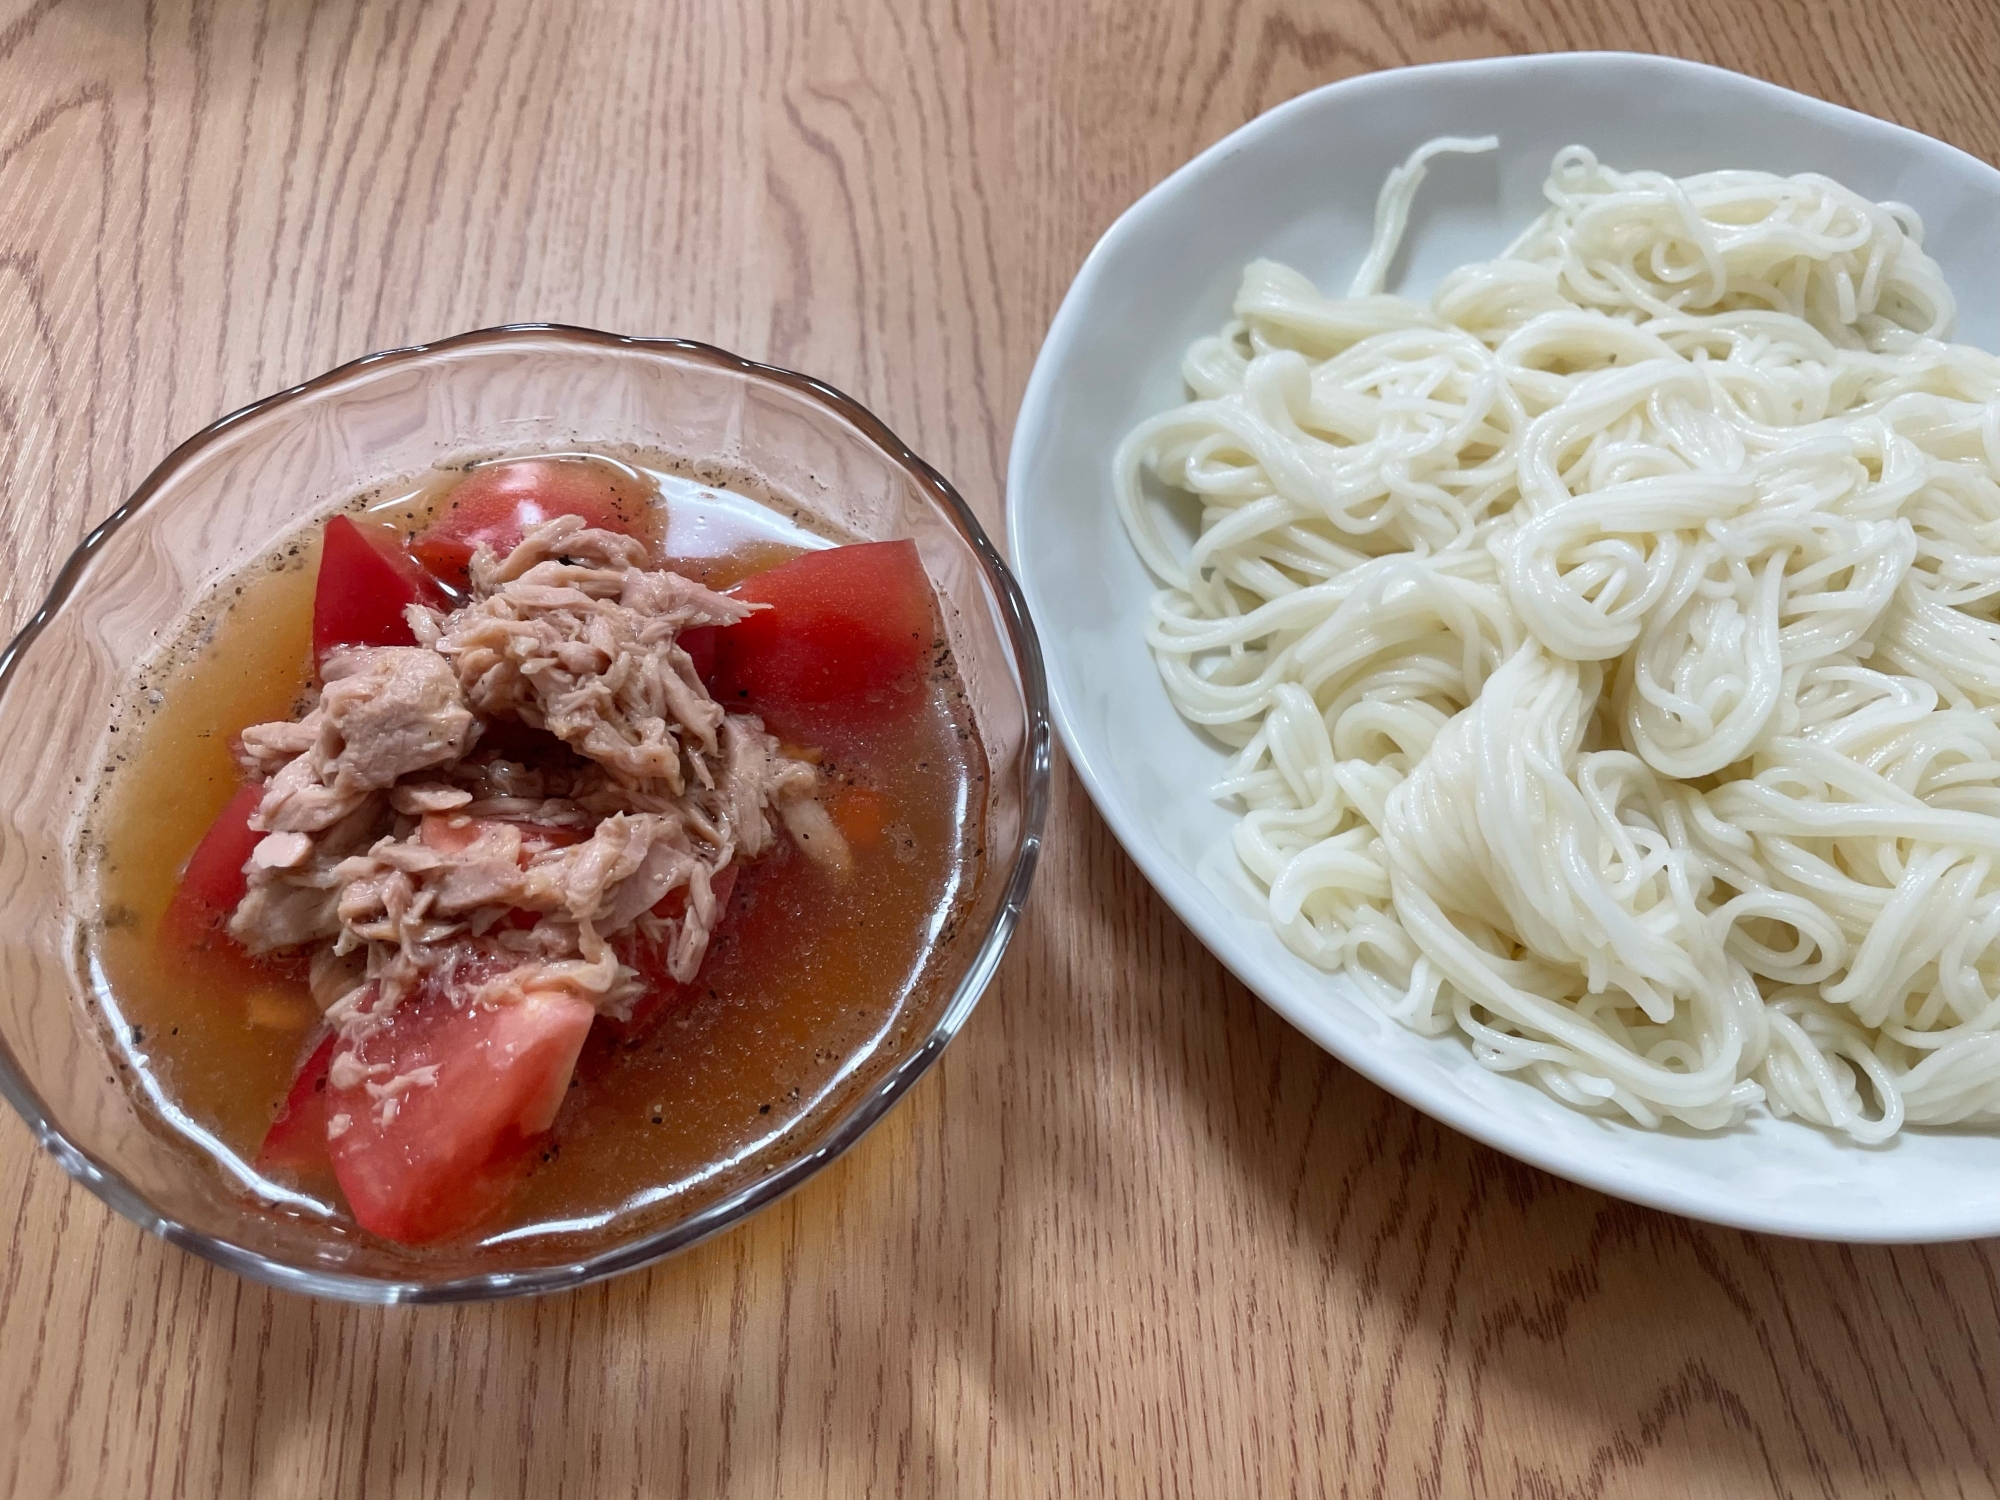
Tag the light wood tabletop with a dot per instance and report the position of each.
(1134, 1235)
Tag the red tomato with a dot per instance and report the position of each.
(365, 579)
(850, 629)
(481, 1082)
(213, 881)
(700, 647)
(663, 992)
(496, 504)
(296, 1141)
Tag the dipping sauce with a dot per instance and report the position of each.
(814, 960)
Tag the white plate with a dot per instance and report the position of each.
(1299, 184)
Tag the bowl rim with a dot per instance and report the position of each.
(1220, 931)
(862, 1114)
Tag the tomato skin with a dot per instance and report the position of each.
(700, 645)
(664, 993)
(850, 633)
(496, 505)
(194, 931)
(453, 1150)
(212, 882)
(365, 580)
(296, 1141)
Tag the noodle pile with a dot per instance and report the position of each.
(1609, 644)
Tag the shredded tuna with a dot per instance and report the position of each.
(588, 652)
(400, 848)
(298, 904)
(388, 1096)
(757, 777)
(347, 1070)
(282, 851)
(564, 539)
(383, 712)
(335, 975)
(416, 798)
(263, 749)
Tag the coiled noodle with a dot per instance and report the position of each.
(1610, 644)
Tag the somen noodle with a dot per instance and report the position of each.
(1609, 644)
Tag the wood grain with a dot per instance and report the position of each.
(1134, 1235)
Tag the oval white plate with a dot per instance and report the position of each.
(1299, 184)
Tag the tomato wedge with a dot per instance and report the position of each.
(664, 993)
(442, 1130)
(296, 1141)
(700, 647)
(213, 882)
(365, 580)
(850, 631)
(496, 504)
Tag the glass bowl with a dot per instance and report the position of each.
(217, 503)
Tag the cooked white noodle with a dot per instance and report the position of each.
(1610, 644)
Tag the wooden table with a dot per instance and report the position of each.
(1135, 1235)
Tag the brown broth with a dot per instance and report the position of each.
(809, 981)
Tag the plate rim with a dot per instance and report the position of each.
(1217, 929)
